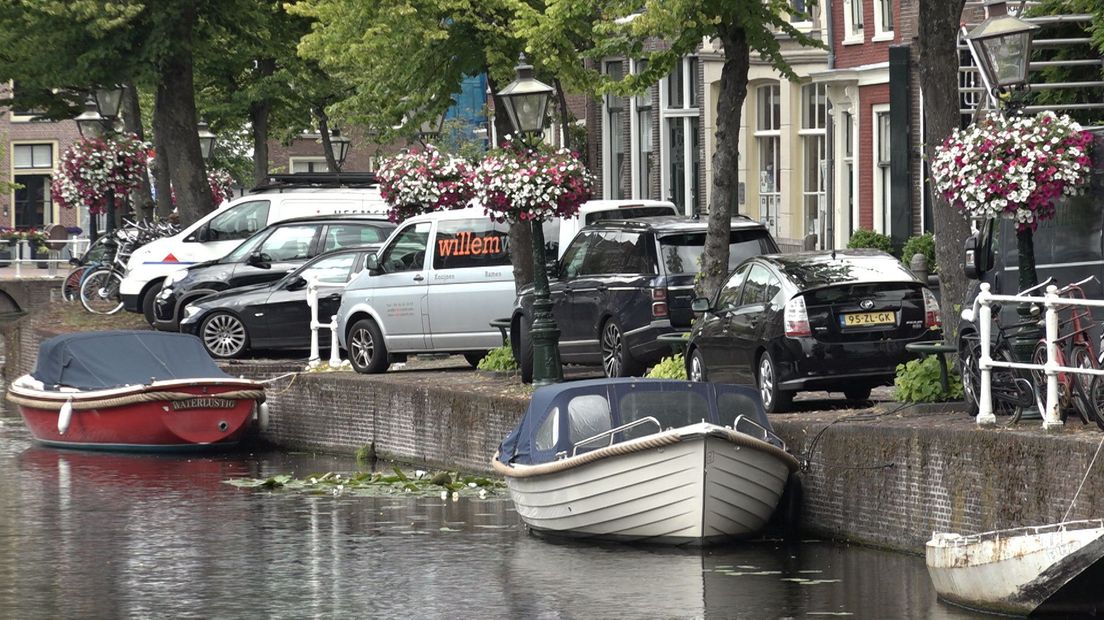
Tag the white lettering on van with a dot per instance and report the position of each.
(492, 274)
(443, 276)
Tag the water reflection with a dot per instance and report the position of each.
(104, 535)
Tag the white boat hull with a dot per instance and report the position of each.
(1014, 571)
(700, 489)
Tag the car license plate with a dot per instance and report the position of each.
(864, 319)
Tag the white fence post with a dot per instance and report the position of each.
(1051, 417)
(985, 415)
(20, 248)
(335, 355)
(312, 301)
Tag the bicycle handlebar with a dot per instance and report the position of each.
(1067, 288)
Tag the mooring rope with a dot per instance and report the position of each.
(130, 399)
(1083, 479)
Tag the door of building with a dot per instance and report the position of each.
(33, 206)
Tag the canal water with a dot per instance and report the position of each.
(90, 535)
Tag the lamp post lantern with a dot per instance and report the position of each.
(98, 120)
(526, 101)
(1004, 47)
(430, 128)
(90, 123)
(340, 145)
(108, 101)
(206, 140)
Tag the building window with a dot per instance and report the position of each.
(814, 143)
(644, 147)
(33, 156)
(849, 170)
(768, 127)
(614, 136)
(306, 165)
(798, 11)
(853, 18)
(882, 189)
(883, 19)
(21, 113)
(680, 144)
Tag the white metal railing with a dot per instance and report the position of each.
(312, 301)
(983, 311)
(22, 255)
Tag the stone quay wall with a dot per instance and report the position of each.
(886, 477)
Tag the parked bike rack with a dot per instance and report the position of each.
(982, 309)
(312, 301)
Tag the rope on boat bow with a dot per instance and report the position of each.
(131, 399)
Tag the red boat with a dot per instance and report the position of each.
(134, 390)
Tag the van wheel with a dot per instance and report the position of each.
(475, 358)
(525, 346)
(367, 353)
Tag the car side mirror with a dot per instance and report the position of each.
(296, 283)
(203, 235)
(259, 260)
(372, 264)
(972, 266)
(700, 305)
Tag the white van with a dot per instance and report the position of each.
(558, 233)
(434, 286)
(220, 231)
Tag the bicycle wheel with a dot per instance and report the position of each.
(99, 292)
(1082, 384)
(1097, 396)
(1006, 387)
(1039, 378)
(70, 286)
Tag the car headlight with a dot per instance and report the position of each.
(166, 292)
(190, 311)
(176, 276)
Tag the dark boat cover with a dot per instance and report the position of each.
(101, 360)
(560, 416)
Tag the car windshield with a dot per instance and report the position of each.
(682, 253)
(239, 253)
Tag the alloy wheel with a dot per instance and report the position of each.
(224, 335)
(766, 381)
(611, 349)
(362, 347)
(697, 369)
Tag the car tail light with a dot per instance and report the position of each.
(797, 318)
(932, 319)
(659, 303)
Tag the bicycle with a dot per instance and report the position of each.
(94, 256)
(100, 279)
(1074, 349)
(1012, 389)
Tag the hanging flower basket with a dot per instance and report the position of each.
(90, 169)
(1013, 167)
(519, 183)
(423, 181)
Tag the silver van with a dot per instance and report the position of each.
(434, 286)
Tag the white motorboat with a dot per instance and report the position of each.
(637, 459)
(1019, 571)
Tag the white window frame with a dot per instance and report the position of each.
(607, 131)
(850, 195)
(880, 33)
(49, 216)
(802, 21)
(638, 189)
(882, 201)
(852, 32)
(683, 115)
(306, 159)
(818, 129)
(775, 135)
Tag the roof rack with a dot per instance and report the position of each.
(280, 182)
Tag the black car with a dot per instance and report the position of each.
(269, 254)
(273, 315)
(836, 321)
(622, 283)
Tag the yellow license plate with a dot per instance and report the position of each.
(863, 319)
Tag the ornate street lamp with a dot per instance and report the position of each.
(89, 122)
(430, 128)
(206, 140)
(340, 145)
(1004, 47)
(108, 101)
(526, 100)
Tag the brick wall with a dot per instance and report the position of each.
(869, 96)
(869, 52)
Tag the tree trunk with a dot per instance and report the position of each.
(140, 198)
(1025, 246)
(161, 182)
(176, 101)
(258, 120)
(521, 237)
(734, 77)
(565, 115)
(324, 134)
(938, 66)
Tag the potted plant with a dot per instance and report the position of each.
(422, 181)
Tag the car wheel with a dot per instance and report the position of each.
(857, 393)
(775, 400)
(695, 368)
(475, 358)
(367, 353)
(224, 335)
(525, 346)
(148, 301)
(616, 359)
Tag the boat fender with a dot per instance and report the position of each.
(262, 416)
(65, 416)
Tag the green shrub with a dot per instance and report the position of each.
(918, 382)
(920, 244)
(863, 238)
(673, 367)
(500, 359)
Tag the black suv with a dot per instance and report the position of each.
(266, 256)
(622, 283)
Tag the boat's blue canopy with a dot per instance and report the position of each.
(101, 360)
(562, 415)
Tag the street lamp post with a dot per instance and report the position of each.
(340, 145)
(101, 110)
(1004, 51)
(526, 101)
